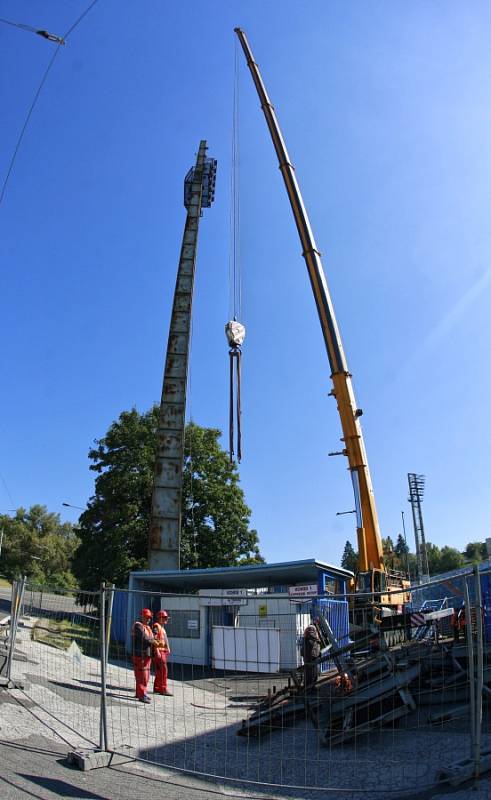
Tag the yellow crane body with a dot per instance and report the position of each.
(371, 556)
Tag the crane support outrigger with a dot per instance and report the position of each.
(372, 576)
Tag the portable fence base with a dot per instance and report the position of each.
(95, 759)
(464, 770)
(5, 683)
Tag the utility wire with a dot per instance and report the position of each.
(60, 42)
(7, 489)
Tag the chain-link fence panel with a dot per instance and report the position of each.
(314, 693)
(57, 660)
(308, 693)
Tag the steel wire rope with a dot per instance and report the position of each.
(234, 256)
(37, 94)
(20, 25)
(29, 29)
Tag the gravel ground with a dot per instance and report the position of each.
(196, 730)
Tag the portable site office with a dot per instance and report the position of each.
(247, 618)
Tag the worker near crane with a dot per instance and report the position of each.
(160, 652)
(143, 642)
(311, 652)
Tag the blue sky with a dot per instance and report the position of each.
(386, 111)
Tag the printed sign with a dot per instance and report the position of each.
(193, 624)
(305, 590)
(223, 597)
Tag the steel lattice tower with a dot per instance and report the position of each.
(416, 491)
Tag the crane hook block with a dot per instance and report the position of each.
(235, 333)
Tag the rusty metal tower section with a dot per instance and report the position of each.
(165, 526)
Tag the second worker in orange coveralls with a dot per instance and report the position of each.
(160, 654)
(143, 644)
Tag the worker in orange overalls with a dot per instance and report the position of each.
(458, 623)
(160, 652)
(143, 642)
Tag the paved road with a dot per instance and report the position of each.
(36, 767)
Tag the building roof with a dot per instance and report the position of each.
(251, 575)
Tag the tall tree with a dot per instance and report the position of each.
(215, 518)
(450, 558)
(114, 528)
(476, 551)
(389, 555)
(433, 555)
(349, 559)
(37, 544)
(401, 548)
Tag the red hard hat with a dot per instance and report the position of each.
(145, 612)
(162, 614)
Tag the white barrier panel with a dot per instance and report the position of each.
(246, 649)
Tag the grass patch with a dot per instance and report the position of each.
(4, 583)
(61, 633)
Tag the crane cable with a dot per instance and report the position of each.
(235, 278)
(235, 330)
(60, 41)
(52, 37)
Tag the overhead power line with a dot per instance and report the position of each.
(60, 41)
(7, 489)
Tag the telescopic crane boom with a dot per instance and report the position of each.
(371, 557)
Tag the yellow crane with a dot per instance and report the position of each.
(387, 588)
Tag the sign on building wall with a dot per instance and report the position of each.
(223, 597)
(303, 590)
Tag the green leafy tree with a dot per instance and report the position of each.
(388, 546)
(443, 559)
(37, 544)
(349, 559)
(390, 559)
(114, 528)
(476, 551)
(450, 558)
(401, 548)
(215, 518)
(411, 565)
(433, 555)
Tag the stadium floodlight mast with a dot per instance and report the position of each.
(416, 492)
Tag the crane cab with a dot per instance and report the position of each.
(387, 588)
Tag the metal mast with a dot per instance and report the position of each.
(165, 527)
(416, 491)
(369, 541)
